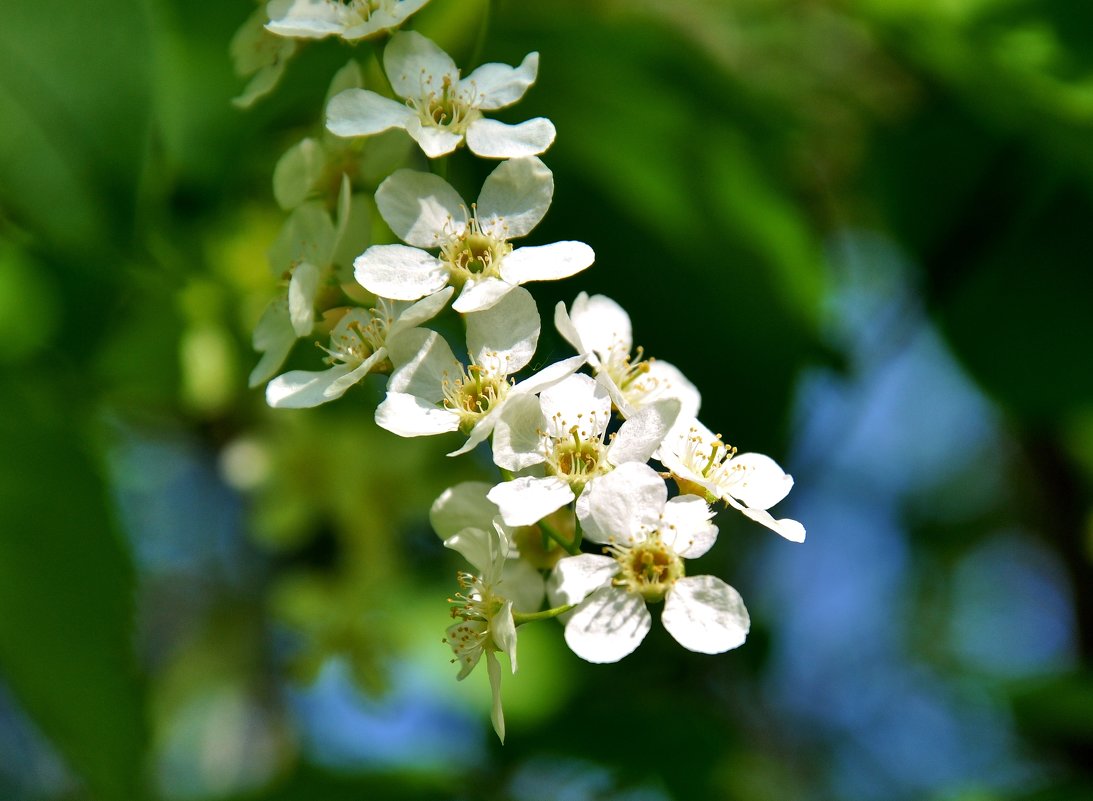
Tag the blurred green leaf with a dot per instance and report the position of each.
(66, 584)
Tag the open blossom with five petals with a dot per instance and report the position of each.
(701, 463)
(351, 20)
(486, 602)
(442, 110)
(358, 345)
(600, 327)
(475, 254)
(432, 392)
(561, 437)
(647, 537)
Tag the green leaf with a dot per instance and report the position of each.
(66, 586)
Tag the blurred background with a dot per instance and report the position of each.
(861, 227)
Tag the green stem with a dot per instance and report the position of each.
(519, 618)
(573, 548)
(440, 167)
(578, 534)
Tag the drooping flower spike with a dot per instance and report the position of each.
(441, 110)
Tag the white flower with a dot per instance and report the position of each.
(475, 254)
(598, 326)
(563, 434)
(441, 110)
(259, 55)
(647, 537)
(352, 20)
(485, 606)
(750, 482)
(432, 392)
(358, 345)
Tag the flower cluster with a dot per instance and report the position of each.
(607, 478)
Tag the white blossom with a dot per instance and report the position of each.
(432, 392)
(600, 327)
(559, 440)
(440, 109)
(351, 20)
(259, 55)
(703, 464)
(485, 606)
(358, 345)
(474, 251)
(647, 537)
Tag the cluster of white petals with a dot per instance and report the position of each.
(351, 20)
(647, 537)
(608, 477)
(440, 109)
(474, 253)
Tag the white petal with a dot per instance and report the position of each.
(685, 526)
(421, 208)
(359, 112)
(307, 235)
(664, 380)
(515, 196)
(625, 504)
(503, 631)
(758, 481)
(425, 309)
(607, 626)
(497, 715)
(462, 637)
(564, 323)
(410, 416)
(642, 434)
(705, 615)
(399, 272)
(524, 585)
(302, 287)
(407, 346)
(416, 66)
(297, 172)
(300, 389)
(575, 577)
(503, 337)
(480, 431)
(575, 401)
(480, 295)
(527, 500)
(495, 86)
(516, 440)
(274, 338)
(434, 141)
(546, 262)
(549, 375)
(431, 366)
(491, 139)
(381, 19)
(474, 545)
(790, 529)
(461, 506)
(602, 324)
(305, 19)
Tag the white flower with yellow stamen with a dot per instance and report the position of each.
(351, 20)
(647, 537)
(600, 327)
(485, 606)
(561, 439)
(359, 344)
(701, 463)
(442, 110)
(432, 392)
(475, 254)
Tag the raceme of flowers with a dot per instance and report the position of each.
(607, 479)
